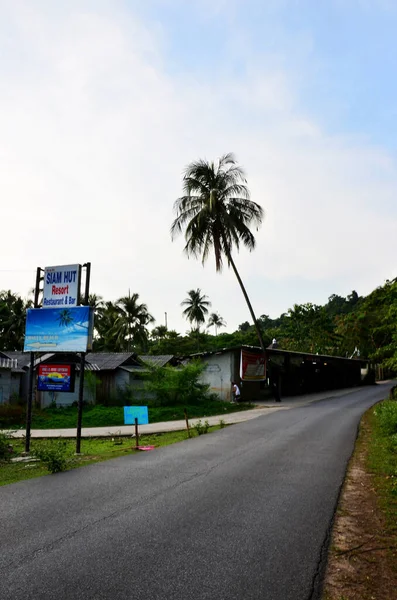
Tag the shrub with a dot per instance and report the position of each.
(202, 428)
(386, 414)
(55, 454)
(6, 450)
(171, 386)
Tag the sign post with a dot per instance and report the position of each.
(82, 365)
(31, 370)
(65, 326)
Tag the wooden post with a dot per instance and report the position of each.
(136, 434)
(187, 422)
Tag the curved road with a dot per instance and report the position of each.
(243, 513)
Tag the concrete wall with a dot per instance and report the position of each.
(5, 385)
(10, 386)
(65, 398)
(218, 374)
(222, 369)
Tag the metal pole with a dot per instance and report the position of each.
(29, 403)
(87, 282)
(82, 363)
(31, 371)
(166, 323)
(136, 434)
(80, 403)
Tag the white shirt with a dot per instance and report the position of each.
(236, 390)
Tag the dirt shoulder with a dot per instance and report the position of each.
(362, 561)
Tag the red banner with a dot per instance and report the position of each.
(53, 378)
(252, 366)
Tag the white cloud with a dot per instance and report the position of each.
(95, 134)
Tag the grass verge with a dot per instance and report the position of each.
(93, 450)
(362, 561)
(110, 416)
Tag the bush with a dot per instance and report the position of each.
(171, 386)
(202, 428)
(386, 414)
(6, 450)
(55, 454)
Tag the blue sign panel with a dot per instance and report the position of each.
(58, 329)
(136, 412)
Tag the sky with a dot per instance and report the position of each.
(104, 103)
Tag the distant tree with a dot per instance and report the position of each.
(244, 326)
(12, 320)
(215, 320)
(216, 213)
(131, 322)
(196, 307)
(159, 332)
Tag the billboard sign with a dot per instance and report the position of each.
(59, 329)
(252, 366)
(55, 378)
(61, 286)
(136, 412)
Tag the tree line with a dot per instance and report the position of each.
(215, 214)
(344, 326)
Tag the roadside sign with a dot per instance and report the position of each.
(136, 412)
(61, 286)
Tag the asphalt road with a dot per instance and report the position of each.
(244, 513)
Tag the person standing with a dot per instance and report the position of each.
(236, 392)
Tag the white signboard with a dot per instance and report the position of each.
(61, 286)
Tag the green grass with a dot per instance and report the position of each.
(107, 416)
(382, 458)
(93, 450)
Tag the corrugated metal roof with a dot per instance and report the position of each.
(108, 361)
(8, 363)
(157, 361)
(23, 358)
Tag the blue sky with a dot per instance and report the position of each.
(103, 104)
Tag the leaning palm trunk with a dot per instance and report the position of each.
(258, 331)
(216, 212)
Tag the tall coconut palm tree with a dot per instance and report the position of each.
(159, 332)
(215, 320)
(216, 213)
(196, 307)
(132, 321)
(12, 320)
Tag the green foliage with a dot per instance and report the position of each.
(386, 414)
(196, 307)
(172, 386)
(55, 454)
(91, 382)
(107, 416)
(201, 428)
(6, 449)
(12, 320)
(382, 457)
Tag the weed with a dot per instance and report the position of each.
(55, 454)
(6, 449)
(202, 428)
(222, 424)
